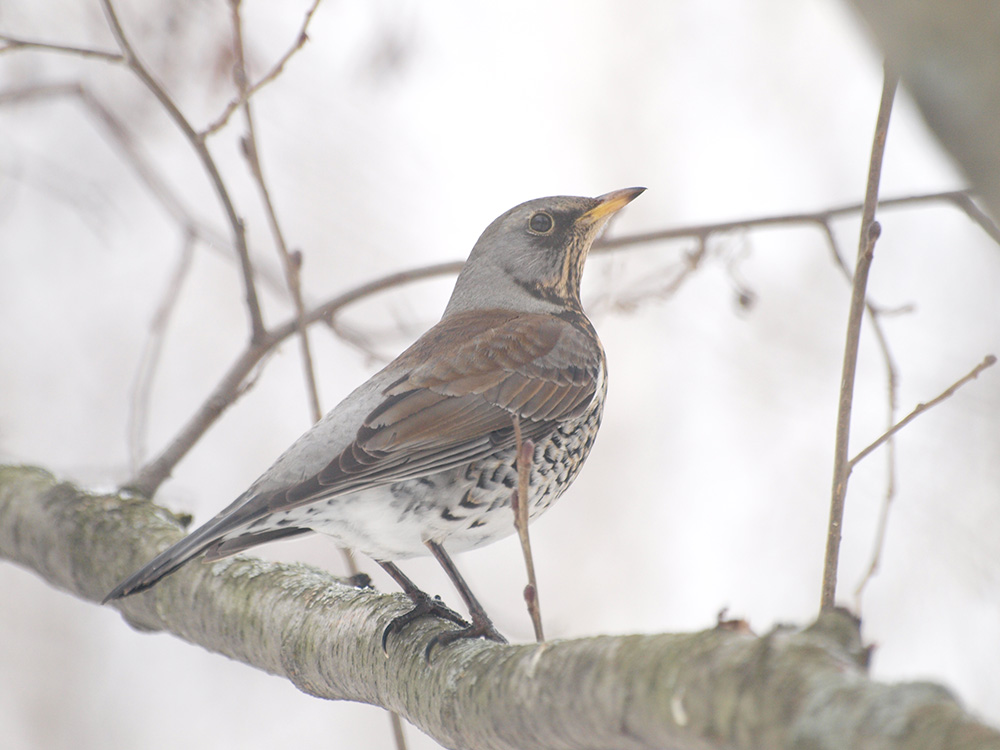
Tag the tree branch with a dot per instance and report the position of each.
(870, 230)
(960, 198)
(723, 687)
(244, 95)
(291, 263)
(132, 61)
(892, 398)
(519, 504)
(10, 43)
(149, 360)
(988, 361)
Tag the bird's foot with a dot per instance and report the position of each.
(481, 627)
(422, 605)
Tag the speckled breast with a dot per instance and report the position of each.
(471, 506)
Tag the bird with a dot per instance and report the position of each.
(421, 458)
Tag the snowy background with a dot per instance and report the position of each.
(392, 139)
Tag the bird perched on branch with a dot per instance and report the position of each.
(421, 458)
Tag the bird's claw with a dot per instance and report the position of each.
(481, 629)
(422, 605)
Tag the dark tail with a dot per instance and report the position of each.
(168, 561)
(217, 539)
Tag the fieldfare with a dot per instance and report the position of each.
(421, 457)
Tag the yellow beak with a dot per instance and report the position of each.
(611, 202)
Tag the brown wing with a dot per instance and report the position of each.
(460, 386)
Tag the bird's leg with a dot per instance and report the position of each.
(423, 604)
(481, 625)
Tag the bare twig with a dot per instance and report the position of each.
(878, 543)
(519, 501)
(866, 247)
(396, 723)
(152, 475)
(964, 201)
(159, 187)
(662, 283)
(257, 331)
(887, 438)
(701, 233)
(13, 44)
(149, 360)
(291, 264)
(115, 129)
(357, 339)
(247, 92)
(988, 361)
(892, 389)
(960, 198)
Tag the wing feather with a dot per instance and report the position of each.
(444, 411)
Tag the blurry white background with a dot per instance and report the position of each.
(391, 140)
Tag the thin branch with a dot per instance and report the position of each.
(292, 266)
(866, 247)
(887, 438)
(398, 735)
(122, 139)
(988, 361)
(229, 389)
(668, 281)
(142, 386)
(247, 93)
(153, 474)
(257, 331)
(964, 201)
(960, 198)
(14, 44)
(170, 200)
(519, 501)
(357, 339)
(892, 404)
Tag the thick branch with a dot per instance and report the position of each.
(720, 688)
(948, 55)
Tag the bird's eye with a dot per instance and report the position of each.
(540, 223)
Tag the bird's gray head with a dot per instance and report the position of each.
(531, 258)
